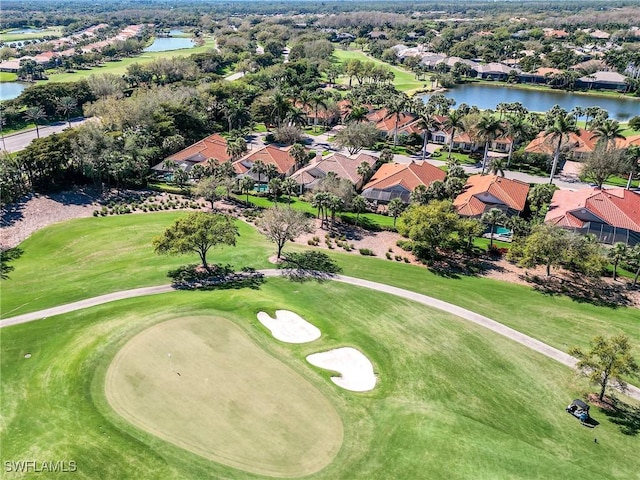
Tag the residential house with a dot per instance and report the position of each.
(213, 147)
(269, 155)
(494, 71)
(603, 80)
(398, 180)
(342, 166)
(484, 192)
(575, 145)
(612, 215)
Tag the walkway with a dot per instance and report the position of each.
(529, 342)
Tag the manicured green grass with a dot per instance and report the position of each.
(8, 77)
(92, 256)
(8, 36)
(404, 80)
(453, 400)
(120, 67)
(144, 383)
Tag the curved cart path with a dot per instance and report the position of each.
(481, 320)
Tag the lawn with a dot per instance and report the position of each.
(83, 258)
(453, 400)
(9, 36)
(404, 80)
(120, 67)
(8, 77)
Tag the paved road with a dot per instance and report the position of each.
(18, 141)
(481, 320)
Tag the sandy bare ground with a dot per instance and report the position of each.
(289, 327)
(34, 212)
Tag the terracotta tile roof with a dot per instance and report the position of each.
(377, 115)
(270, 155)
(409, 175)
(582, 142)
(213, 146)
(388, 124)
(342, 165)
(512, 193)
(463, 137)
(616, 206)
(627, 142)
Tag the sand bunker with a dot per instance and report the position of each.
(356, 369)
(289, 327)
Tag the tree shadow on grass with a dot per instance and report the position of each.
(627, 417)
(456, 264)
(220, 277)
(581, 289)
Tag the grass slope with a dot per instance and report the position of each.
(453, 400)
(92, 256)
(404, 80)
(217, 380)
(120, 67)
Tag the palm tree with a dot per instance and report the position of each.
(516, 128)
(259, 168)
(33, 114)
(275, 188)
(453, 122)
(359, 204)
(318, 99)
(234, 111)
(496, 166)
(562, 126)
(271, 171)
(357, 114)
(365, 171)
(395, 208)
(396, 106)
(493, 217)
(299, 154)
(428, 124)
(289, 185)
(633, 157)
(246, 185)
(280, 107)
(607, 133)
(67, 105)
(297, 117)
(618, 253)
(488, 129)
(236, 148)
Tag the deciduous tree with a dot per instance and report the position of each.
(281, 225)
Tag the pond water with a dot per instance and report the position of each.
(10, 90)
(165, 44)
(26, 30)
(488, 96)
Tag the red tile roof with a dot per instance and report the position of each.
(512, 193)
(409, 175)
(616, 206)
(270, 155)
(213, 146)
(582, 142)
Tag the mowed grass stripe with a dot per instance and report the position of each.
(200, 383)
(453, 400)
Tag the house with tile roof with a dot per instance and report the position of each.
(483, 192)
(574, 145)
(612, 215)
(213, 147)
(398, 180)
(269, 155)
(343, 166)
(603, 80)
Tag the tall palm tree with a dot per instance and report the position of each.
(516, 128)
(492, 218)
(617, 254)
(280, 107)
(633, 157)
(396, 106)
(562, 126)
(488, 129)
(359, 204)
(271, 171)
(365, 171)
(289, 186)
(607, 133)
(395, 208)
(357, 114)
(67, 105)
(496, 166)
(34, 114)
(428, 124)
(246, 184)
(259, 168)
(318, 99)
(453, 122)
(299, 154)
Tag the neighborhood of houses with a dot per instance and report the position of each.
(612, 215)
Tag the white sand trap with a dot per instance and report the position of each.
(289, 327)
(356, 369)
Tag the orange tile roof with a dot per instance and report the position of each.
(388, 124)
(409, 175)
(270, 155)
(513, 193)
(616, 206)
(213, 146)
(583, 142)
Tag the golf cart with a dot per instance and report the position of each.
(580, 410)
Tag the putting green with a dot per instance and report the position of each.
(202, 384)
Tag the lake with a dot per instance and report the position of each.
(10, 90)
(165, 44)
(488, 96)
(22, 31)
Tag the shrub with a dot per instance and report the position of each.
(96, 213)
(406, 245)
(406, 260)
(388, 255)
(398, 258)
(367, 252)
